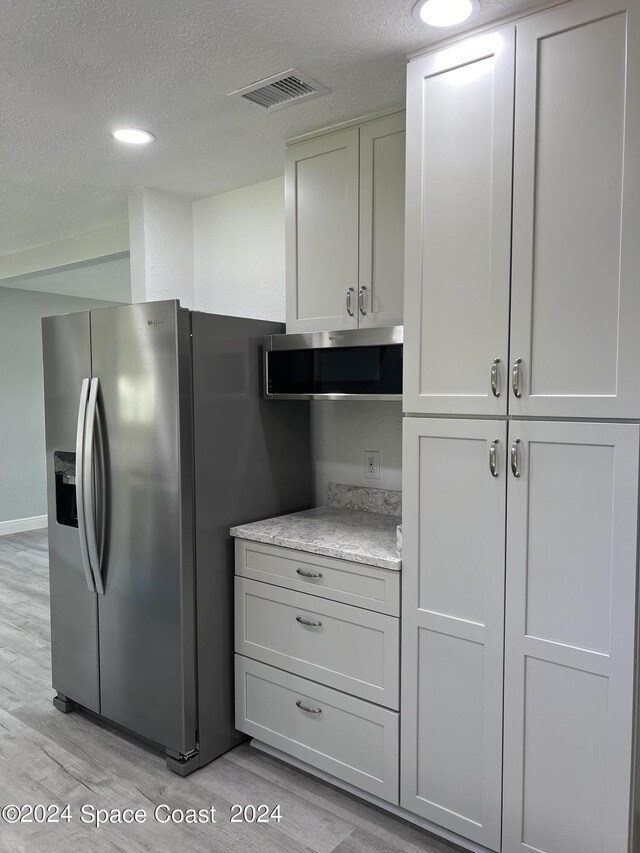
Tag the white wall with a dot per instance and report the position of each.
(238, 240)
(161, 245)
(22, 451)
(239, 269)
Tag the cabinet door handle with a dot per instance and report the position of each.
(305, 573)
(310, 623)
(304, 707)
(515, 378)
(361, 294)
(515, 464)
(493, 457)
(494, 378)
(350, 291)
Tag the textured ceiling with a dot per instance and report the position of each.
(70, 70)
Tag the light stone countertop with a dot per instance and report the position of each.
(333, 531)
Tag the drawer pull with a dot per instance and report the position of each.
(307, 574)
(310, 623)
(300, 704)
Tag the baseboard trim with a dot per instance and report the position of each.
(398, 811)
(20, 525)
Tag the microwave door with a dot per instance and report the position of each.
(337, 372)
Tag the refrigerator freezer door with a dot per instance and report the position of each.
(74, 609)
(141, 356)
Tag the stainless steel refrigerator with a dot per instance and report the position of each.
(158, 439)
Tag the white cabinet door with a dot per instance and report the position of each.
(569, 637)
(458, 226)
(575, 309)
(321, 224)
(452, 626)
(382, 156)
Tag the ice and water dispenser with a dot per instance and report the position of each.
(65, 473)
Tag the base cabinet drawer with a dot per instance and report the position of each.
(344, 647)
(349, 738)
(340, 580)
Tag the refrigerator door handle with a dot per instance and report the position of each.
(88, 485)
(101, 492)
(80, 447)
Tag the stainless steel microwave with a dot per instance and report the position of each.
(355, 364)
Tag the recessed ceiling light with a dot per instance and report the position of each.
(133, 135)
(444, 13)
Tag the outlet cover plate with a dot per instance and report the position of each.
(372, 464)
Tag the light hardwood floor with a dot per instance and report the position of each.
(50, 758)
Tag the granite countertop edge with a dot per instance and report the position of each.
(369, 546)
(365, 559)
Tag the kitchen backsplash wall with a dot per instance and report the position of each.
(342, 431)
(365, 498)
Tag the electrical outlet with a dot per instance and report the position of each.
(372, 464)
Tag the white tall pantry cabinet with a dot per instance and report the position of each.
(458, 215)
(522, 432)
(453, 624)
(569, 637)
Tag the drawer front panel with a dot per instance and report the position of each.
(338, 645)
(346, 737)
(340, 580)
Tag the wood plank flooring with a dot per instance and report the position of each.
(51, 758)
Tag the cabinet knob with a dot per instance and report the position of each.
(361, 294)
(515, 378)
(350, 292)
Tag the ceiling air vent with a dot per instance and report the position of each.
(282, 90)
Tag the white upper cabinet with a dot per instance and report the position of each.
(382, 159)
(321, 232)
(573, 122)
(575, 302)
(344, 217)
(458, 228)
(570, 637)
